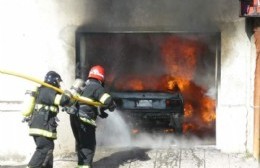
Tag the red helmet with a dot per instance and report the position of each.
(97, 72)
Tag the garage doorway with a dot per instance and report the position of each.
(152, 61)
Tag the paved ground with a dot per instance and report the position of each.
(171, 157)
(153, 151)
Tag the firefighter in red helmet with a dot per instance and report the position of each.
(42, 121)
(84, 123)
(97, 72)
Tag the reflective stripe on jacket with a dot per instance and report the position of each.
(35, 131)
(88, 121)
(53, 109)
(83, 166)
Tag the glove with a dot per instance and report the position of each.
(66, 98)
(103, 115)
(112, 107)
(71, 110)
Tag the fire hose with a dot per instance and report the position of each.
(75, 97)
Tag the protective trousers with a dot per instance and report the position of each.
(43, 155)
(74, 123)
(85, 137)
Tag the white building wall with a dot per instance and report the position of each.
(232, 109)
(38, 36)
(250, 96)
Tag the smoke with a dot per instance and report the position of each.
(212, 92)
(139, 55)
(114, 132)
(185, 15)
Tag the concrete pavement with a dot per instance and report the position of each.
(154, 151)
(171, 157)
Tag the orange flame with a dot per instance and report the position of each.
(180, 56)
(188, 110)
(180, 60)
(189, 127)
(208, 113)
(136, 84)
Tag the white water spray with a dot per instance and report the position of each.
(114, 132)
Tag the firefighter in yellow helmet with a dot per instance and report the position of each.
(83, 124)
(42, 124)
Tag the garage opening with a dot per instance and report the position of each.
(144, 68)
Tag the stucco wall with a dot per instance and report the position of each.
(233, 110)
(37, 36)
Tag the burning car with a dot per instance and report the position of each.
(144, 68)
(150, 110)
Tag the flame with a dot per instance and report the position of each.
(178, 54)
(130, 83)
(135, 84)
(179, 57)
(208, 114)
(188, 110)
(180, 83)
(189, 127)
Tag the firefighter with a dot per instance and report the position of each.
(84, 123)
(43, 124)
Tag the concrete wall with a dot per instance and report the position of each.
(235, 91)
(37, 36)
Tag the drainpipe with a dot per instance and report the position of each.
(256, 150)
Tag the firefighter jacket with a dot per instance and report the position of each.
(43, 119)
(95, 91)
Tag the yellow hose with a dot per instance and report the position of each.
(78, 98)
